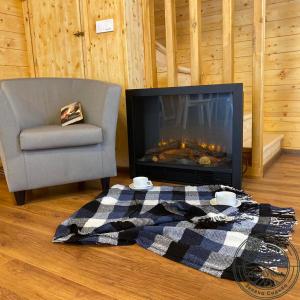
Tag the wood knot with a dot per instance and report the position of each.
(282, 74)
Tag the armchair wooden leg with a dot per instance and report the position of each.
(105, 184)
(20, 197)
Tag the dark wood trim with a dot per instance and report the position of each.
(20, 197)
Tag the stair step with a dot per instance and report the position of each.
(272, 146)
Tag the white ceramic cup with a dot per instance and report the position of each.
(141, 182)
(226, 198)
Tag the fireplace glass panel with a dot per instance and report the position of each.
(193, 129)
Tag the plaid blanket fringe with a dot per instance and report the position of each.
(180, 224)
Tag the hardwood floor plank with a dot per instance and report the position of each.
(34, 283)
(6, 294)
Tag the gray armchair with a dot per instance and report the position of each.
(36, 151)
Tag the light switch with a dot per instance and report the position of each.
(105, 25)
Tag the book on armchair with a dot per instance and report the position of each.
(71, 114)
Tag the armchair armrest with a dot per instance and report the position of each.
(10, 151)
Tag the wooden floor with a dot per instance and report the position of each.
(31, 267)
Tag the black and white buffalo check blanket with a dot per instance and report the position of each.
(179, 223)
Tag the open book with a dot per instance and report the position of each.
(71, 114)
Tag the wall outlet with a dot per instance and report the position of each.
(105, 25)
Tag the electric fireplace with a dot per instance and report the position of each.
(190, 135)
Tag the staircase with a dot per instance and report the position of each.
(272, 141)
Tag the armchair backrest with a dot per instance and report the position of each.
(37, 101)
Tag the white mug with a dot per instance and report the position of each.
(141, 182)
(226, 198)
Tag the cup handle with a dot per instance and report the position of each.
(149, 183)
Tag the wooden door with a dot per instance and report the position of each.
(105, 51)
(56, 50)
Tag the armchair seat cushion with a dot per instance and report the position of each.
(56, 136)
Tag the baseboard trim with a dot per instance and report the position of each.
(291, 151)
(123, 169)
(272, 160)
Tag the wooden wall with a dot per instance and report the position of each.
(282, 60)
(116, 56)
(282, 71)
(13, 54)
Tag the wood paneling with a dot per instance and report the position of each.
(29, 37)
(134, 44)
(259, 21)
(43, 270)
(13, 54)
(11, 23)
(282, 71)
(149, 43)
(171, 41)
(106, 57)
(195, 40)
(12, 40)
(57, 51)
(228, 46)
(11, 7)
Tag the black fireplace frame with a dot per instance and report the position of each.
(186, 174)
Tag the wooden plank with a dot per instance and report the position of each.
(149, 43)
(228, 48)
(134, 44)
(282, 92)
(283, 10)
(106, 58)
(283, 44)
(11, 23)
(42, 284)
(12, 57)
(282, 77)
(9, 72)
(57, 52)
(259, 15)
(283, 108)
(283, 27)
(291, 140)
(28, 37)
(171, 44)
(12, 40)
(11, 7)
(281, 61)
(282, 124)
(244, 77)
(195, 40)
(7, 294)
